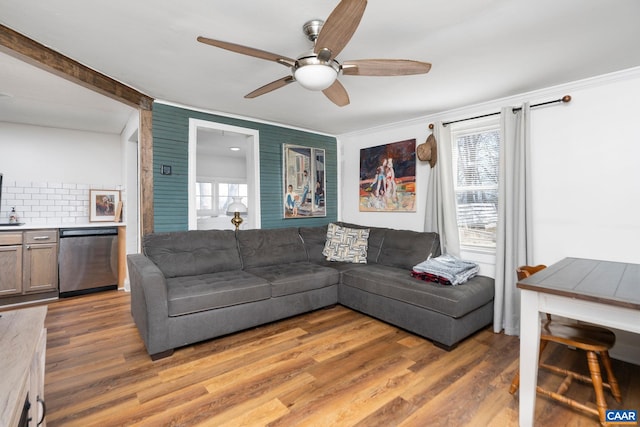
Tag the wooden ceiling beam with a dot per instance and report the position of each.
(37, 54)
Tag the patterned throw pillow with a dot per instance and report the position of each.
(346, 244)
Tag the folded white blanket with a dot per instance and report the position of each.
(454, 270)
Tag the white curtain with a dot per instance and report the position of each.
(514, 245)
(441, 214)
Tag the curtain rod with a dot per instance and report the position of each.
(564, 99)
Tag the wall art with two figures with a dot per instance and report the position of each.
(388, 177)
(304, 182)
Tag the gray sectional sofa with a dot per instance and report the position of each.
(191, 286)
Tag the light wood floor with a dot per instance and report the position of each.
(332, 367)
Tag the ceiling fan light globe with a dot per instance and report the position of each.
(315, 76)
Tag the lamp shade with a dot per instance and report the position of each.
(236, 206)
(316, 76)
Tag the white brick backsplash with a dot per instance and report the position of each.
(49, 202)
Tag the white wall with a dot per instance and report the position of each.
(130, 178)
(221, 166)
(34, 153)
(586, 179)
(48, 171)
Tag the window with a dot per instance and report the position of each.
(204, 198)
(213, 197)
(475, 178)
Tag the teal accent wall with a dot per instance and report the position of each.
(171, 146)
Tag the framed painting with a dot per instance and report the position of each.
(303, 182)
(388, 177)
(103, 205)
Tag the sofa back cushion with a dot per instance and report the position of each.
(263, 247)
(376, 237)
(405, 248)
(190, 253)
(314, 239)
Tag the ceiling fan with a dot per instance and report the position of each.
(319, 69)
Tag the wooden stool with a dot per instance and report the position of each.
(593, 340)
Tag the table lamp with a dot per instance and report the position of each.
(236, 209)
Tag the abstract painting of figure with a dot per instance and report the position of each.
(388, 177)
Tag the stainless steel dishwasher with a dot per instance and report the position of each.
(87, 260)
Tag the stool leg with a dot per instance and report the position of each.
(515, 383)
(611, 378)
(596, 377)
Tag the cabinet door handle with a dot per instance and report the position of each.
(44, 410)
(41, 238)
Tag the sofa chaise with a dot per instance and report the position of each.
(191, 286)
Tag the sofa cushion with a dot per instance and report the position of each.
(339, 265)
(314, 239)
(190, 294)
(396, 283)
(346, 244)
(376, 238)
(191, 253)
(262, 247)
(404, 248)
(292, 278)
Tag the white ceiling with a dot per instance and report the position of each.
(480, 50)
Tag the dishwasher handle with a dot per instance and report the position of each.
(82, 232)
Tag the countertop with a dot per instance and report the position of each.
(58, 226)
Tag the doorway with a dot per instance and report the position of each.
(226, 157)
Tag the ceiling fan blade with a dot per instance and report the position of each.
(339, 27)
(270, 87)
(384, 67)
(257, 53)
(337, 94)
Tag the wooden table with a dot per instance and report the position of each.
(600, 292)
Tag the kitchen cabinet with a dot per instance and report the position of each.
(10, 264)
(28, 262)
(40, 261)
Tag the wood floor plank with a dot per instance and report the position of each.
(333, 367)
(238, 412)
(262, 415)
